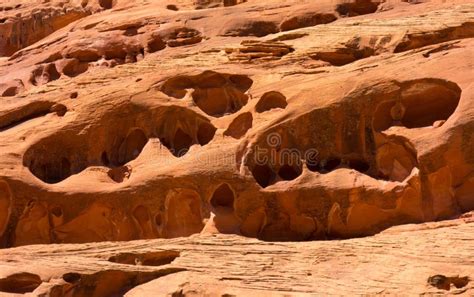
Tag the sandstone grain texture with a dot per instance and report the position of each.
(221, 134)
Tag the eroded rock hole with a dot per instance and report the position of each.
(5, 206)
(395, 160)
(427, 103)
(144, 219)
(146, 259)
(106, 4)
(73, 67)
(241, 82)
(308, 19)
(263, 174)
(132, 146)
(132, 31)
(422, 104)
(357, 7)
(176, 86)
(312, 160)
(252, 27)
(158, 219)
(117, 53)
(57, 211)
(240, 125)
(331, 164)
(210, 79)
(59, 109)
(44, 74)
(105, 159)
(444, 282)
(223, 197)
(230, 2)
(20, 283)
(120, 174)
(343, 56)
(181, 143)
(155, 43)
(10, 92)
(179, 136)
(214, 93)
(181, 36)
(53, 172)
(49, 166)
(328, 165)
(183, 216)
(108, 283)
(172, 7)
(219, 101)
(289, 172)
(359, 165)
(271, 100)
(72, 277)
(205, 133)
(417, 40)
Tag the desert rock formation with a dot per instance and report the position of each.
(427, 259)
(294, 120)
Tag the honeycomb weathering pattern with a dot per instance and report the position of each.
(183, 120)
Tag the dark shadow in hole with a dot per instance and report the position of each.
(106, 4)
(20, 283)
(271, 100)
(241, 82)
(119, 174)
(444, 282)
(105, 159)
(422, 103)
(72, 277)
(57, 211)
(263, 174)
(158, 219)
(357, 7)
(157, 44)
(181, 143)
(52, 173)
(172, 7)
(146, 259)
(240, 125)
(288, 172)
(132, 146)
(223, 197)
(10, 92)
(176, 86)
(205, 133)
(330, 164)
(359, 165)
(210, 79)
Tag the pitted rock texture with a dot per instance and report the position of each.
(432, 259)
(288, 120)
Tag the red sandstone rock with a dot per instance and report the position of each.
(279, 121)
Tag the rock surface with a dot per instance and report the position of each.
(428, 259)
(291, 120)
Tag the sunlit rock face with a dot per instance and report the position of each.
(271, 120)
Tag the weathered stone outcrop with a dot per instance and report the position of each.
(427, 259)
(296, 121)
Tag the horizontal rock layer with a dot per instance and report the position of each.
(277, 121)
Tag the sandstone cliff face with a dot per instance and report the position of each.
(280, 121)
(426, 259)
